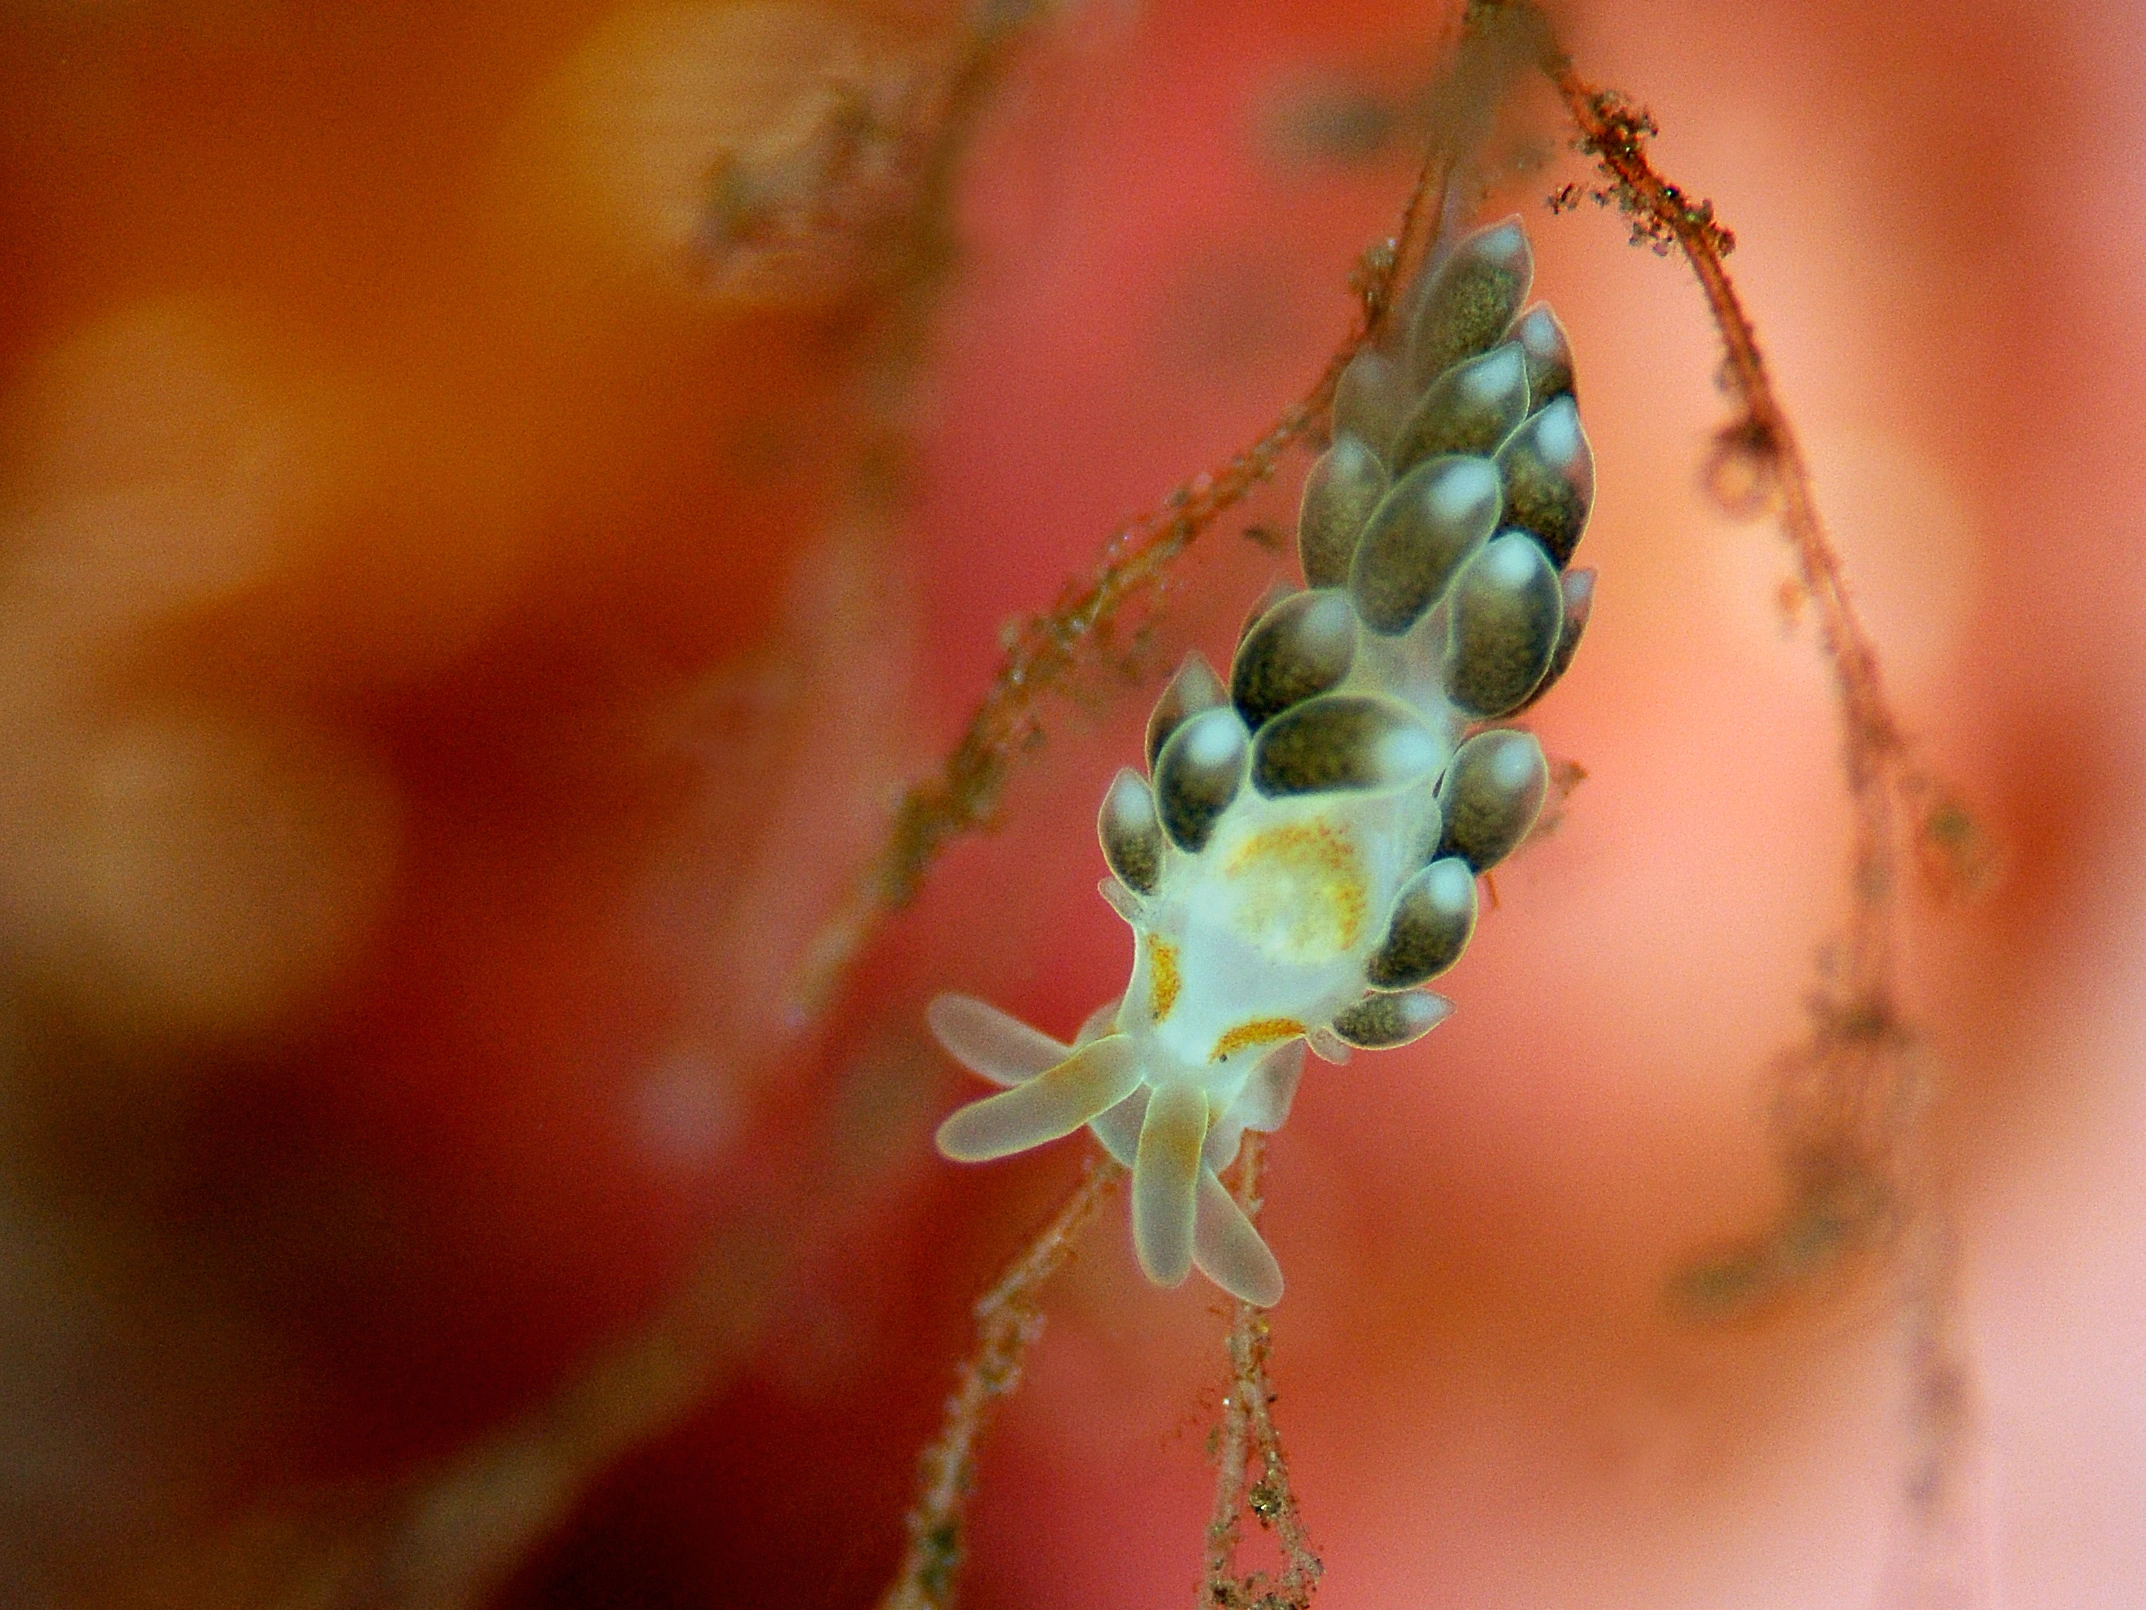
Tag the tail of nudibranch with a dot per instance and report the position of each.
(1302, 854)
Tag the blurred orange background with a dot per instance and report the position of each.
(463, 626)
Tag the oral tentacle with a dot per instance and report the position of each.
(1264, 1105)
(1056, 1102)
(992, 1044)
(1229, 1249)
(1166, 1174)
(1119, 1128)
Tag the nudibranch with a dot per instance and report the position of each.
(1301, 855)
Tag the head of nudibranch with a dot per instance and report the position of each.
(1301, 854)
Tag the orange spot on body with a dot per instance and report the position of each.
(1164, 980)
(1257, 1031)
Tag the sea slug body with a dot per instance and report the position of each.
(1301, 854)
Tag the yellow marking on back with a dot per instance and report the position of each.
(1164, 980)
(1257, 1031)
(1300, 890)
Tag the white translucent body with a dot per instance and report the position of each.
(1243, 952)
(1254, 943)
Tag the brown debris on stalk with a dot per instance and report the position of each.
(1840, 1094)
(1850, 1102)
(1246, 1445)
(1008, 1321)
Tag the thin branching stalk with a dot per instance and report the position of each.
(1850, 1103)
(1008, 1321)
(1845, 1097)
(1247, 1445)
(1759, 456)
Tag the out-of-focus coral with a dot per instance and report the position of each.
(174, 863)
(446, 678)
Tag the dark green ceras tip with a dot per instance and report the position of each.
(1433, 919)
(1198, 774)
(1503, 633)
(1469, 302)
(1279, 590)
(1380, 1022)
(1131, 833)
(1491, 794)
(1549, 478)
(1300, 648)
(1193, 689)
(1342, 741)
(1577, 588)
(1339, 495)
(1372, 398)
(1549, 355)
(1470, 408)
(1417, 538)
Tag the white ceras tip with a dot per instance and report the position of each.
(1464, 486)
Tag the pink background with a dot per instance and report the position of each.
(444, 704)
